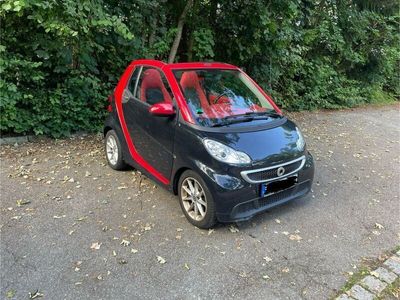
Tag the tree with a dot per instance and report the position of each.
(181, 22)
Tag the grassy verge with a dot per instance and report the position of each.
(368, 265)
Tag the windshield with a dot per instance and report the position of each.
(222, 97)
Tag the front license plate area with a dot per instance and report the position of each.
(276, 186)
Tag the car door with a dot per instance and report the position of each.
(152, 136)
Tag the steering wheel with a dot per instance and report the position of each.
(219, 96)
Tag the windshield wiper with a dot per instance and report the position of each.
(246, 117)
(270, 113)
(229, 122)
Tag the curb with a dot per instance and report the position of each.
(16, 140)
(374, 283)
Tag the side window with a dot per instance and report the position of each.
(133, 79)
(152, 87)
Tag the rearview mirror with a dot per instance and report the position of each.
(162, 109)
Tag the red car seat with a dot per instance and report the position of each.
(193, 91)
(152, 88)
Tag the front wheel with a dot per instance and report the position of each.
(114, 151)
(196, 200)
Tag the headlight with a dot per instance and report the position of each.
(225, 154)
(300, 143)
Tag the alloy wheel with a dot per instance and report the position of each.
(112, 150)
(194, 199)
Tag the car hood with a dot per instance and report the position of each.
(265, 147)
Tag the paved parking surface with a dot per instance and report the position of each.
(72, 228)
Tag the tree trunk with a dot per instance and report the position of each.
(178, 36)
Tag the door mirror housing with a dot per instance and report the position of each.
(162, 109)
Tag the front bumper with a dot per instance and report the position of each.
(239, 200)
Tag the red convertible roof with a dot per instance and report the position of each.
(186, 65)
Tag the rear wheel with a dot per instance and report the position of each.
(113, 151)
(196, 200)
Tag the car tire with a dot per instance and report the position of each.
(194, 210)
(113, 151)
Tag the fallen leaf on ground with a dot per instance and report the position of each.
(295, 237)
(233, 229)
(58, 217)
(161, 260)
(95, 246)
(125, 243)
(35, 294)
(10, 294)
(243, 275)
(21, 202)
(267, 259)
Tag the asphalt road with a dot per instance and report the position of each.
(302, 250)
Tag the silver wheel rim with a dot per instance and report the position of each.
(112, 150)
(194, 199)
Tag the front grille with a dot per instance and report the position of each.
(271, 173)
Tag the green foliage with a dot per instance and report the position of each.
(203, 44)
(60, 59)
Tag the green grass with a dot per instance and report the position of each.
(391, 292)
(379, 97)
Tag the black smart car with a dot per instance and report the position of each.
(209, 133)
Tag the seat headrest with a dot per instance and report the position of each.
(189, 79)
(152, 79)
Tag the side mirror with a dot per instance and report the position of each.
(162, 109)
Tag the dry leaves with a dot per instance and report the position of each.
(161, 260)
(233, 229)
(267, 259)
(21, 202)
(295, 237)
(95, 246)
(35, 294)
(125, 243)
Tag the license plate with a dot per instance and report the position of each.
(277, 186)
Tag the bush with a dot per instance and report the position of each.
(60, 59)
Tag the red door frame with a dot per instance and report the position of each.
(180, 100)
